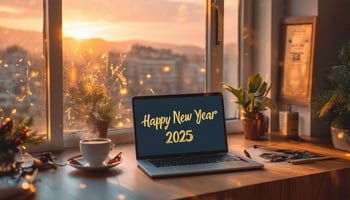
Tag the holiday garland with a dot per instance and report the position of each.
(14, 134)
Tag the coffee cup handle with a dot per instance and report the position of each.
(111, 146)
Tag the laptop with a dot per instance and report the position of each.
(183, 134)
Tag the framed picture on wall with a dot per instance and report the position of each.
(297, 55)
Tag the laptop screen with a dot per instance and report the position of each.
(169, 125)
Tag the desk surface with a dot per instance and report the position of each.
(127, 181)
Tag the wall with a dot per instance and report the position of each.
(301, 8)
(264, 53)
(333, 25)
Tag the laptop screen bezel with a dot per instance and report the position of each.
(135, 98)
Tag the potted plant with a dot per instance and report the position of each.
(15, 135)
(333, 103)
(253, 101)
(94, 97)
(89, 102)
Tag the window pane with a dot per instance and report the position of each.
(130, 48)
(22, 75)
(231, 75)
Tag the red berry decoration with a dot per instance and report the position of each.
(7, 125)
(24, 134)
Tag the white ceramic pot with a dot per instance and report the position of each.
(341, 138)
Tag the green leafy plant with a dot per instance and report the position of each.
(90, 100)
(255, 98)
(96, 94)
(333, 104)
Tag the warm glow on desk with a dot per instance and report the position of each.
(121, 196)
(28, 186)
(82, 186)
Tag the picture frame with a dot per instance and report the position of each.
(297, 56)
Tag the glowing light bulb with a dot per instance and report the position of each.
(166, 69)
(124, 91)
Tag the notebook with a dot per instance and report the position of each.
(183, 134)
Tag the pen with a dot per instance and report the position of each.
(307, 160)
(246, 153)
(255, 146)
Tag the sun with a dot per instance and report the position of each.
(81, 30)
(79, 34)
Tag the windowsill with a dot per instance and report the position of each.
(125, 136)
(118, 136)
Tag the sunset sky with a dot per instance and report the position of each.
(171, 21)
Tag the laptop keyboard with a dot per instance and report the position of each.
(168, 162)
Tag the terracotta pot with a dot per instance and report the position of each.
(99, 127)
(102, 128)
(254, 125)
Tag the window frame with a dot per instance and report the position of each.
(52, 33)
(214, 45)
(52, 48)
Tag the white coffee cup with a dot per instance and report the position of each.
(95, 150)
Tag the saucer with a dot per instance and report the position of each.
(78, 162)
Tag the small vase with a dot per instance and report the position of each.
(254, 125)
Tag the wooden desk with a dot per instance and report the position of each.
(328, 179)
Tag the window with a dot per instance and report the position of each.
(230, 55)
(161, 47)
(133, 38)
(22, 71)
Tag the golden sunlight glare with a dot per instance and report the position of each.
(81, 30)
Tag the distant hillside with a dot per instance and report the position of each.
(28, 39)
(31, 39)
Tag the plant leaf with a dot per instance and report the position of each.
(254, 82)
